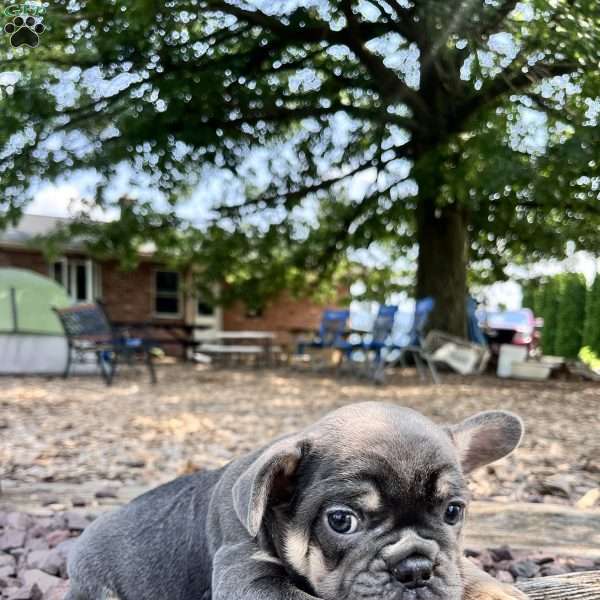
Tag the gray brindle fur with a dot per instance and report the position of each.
(355, 507)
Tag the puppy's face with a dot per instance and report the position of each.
(371, 503)
(370, 527)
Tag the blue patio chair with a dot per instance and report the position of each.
(414, 348)
(474, 332)
(331, 333)
(423, 308)
(379, 337)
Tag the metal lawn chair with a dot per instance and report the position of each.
(90, 336)
(422, 358)
(331, 334)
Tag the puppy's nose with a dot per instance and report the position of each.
(414, 571)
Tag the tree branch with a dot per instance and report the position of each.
(542, 104)
(344, 230)
(298, 193)
(311, 33)
(391, 86)
(284, 114)
(500, 15)
(354, 37)
(517, 81)
(404, 24)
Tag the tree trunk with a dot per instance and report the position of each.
(442, 264)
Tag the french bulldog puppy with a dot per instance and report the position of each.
(367, 504)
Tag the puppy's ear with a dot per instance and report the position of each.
(486, 437)
(269, 475)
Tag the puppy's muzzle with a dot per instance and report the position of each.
(411, 560)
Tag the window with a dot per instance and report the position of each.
(167, 296)
(208, 315)
(204, 309)
(80, 277)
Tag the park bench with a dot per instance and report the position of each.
(90, 336)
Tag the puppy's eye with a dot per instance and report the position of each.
(454, 513)
(342, 521)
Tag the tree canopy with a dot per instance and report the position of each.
(468, 127)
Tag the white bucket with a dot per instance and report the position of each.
(510, 353)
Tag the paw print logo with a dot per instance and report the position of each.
(24, 32)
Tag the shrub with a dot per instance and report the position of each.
(590, 358)
(549, 297)
(591, 326)
(532, 296)
(571, 312)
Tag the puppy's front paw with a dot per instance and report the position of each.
(493, 591)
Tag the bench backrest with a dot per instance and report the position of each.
(85, 322)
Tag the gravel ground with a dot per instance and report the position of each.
(34, 551)
(77, 430)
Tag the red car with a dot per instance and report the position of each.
(518, 327)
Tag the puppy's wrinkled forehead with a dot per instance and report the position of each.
(370, 436)
(393, 431)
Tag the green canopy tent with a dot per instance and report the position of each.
(31, 336)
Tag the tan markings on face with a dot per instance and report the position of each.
(263, 556)
(442, 485)
(371, 501)
(296, 550)
(323, 581)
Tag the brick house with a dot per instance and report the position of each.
(151, 294)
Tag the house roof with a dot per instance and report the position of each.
(31, 226)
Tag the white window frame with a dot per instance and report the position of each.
(69, 271)
(212, 321)
(178, 295)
